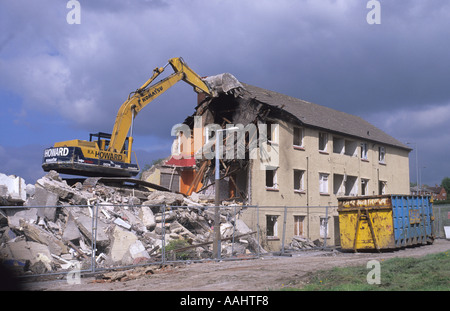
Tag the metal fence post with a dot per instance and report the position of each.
(94, 234)
(257, 230)
(163, 234)
(439, 221)
(326, 227)
(234, 230)
(284, 230)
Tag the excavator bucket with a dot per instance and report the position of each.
(224, 83)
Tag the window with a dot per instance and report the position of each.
(381, 187)
(272, 132)
(364, 150)
(298, 225)
(381, 154)
(298, 137)
(351, 185)
(298, 180)
(323, 141)
(271, 226)
(271, 179)
(323, 183)
(338, 185)
(351, 148)
(338, 145)
(324, 227)
(364, 186)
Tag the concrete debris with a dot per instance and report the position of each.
(299, 243)
(13, 190)
(52, 230)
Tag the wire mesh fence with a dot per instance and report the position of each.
(67, 239)
(442, 220)
(101, 236)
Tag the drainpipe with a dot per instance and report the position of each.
(307, 195)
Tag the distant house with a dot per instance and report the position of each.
(437, 193)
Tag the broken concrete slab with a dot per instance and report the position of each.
(120, 243)
(163, 197)
(167, 216)
(147, 217)
(137, 250)
(43, 197)
(14, 216)
(120, 222)
(53, 183)
(38, 234)
(23, 251)
(84, 224)
(71, 232)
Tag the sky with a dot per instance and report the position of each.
(61, 80)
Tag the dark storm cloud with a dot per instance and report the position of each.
(322, 51)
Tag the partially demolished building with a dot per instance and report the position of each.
(283, 151)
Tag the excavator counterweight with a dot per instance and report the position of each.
(110, 155)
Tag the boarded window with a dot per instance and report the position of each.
(299, 222)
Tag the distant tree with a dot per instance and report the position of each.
(149, 166)
(157, 161)
(446, 184)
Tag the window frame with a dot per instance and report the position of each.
(364, 151)
(301, 188)
(274, 186)
(300, 136)
(325, 138)
(324, 180)
(273, 227)
(382, 155)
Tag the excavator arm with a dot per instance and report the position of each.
(145, 94)
(110, 154)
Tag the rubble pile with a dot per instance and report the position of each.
(299, 243)
(131, 225)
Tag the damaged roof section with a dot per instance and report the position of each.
(248, 104)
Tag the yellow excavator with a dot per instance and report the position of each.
(110, 155)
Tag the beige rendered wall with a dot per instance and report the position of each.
(395, 172)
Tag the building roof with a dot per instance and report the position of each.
(322, 117)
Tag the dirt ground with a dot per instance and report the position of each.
(263, 274)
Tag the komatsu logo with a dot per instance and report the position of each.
(56, 152)
(155, 91)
